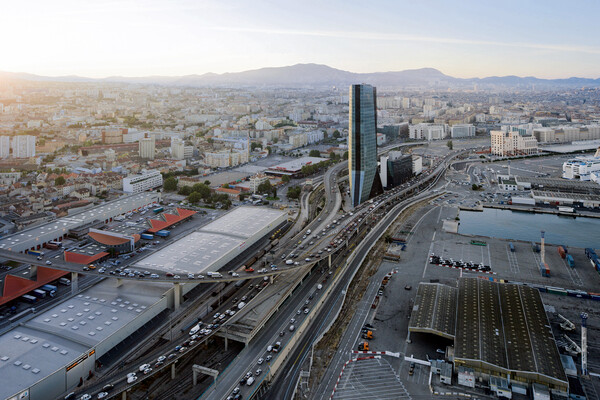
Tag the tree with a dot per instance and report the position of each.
(345, 156)
(285, 178)
(207, 182)
(293, 192)
(202, 190)
(60, 181)
(194, 197)
(314, 153)
(265, 187)
(170, 184)
(255, 145)
(450, 145)
(337, 134)
(185, 191)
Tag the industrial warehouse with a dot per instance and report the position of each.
(52, 352)
(500, 331)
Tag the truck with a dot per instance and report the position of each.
(363, 346)
(50, 289)
(535, 247)
(512, 247)
(367, 335)
(158, 210)
(147, 236)
(545, 271)
(570, 261)
(250, 381)
(29, 299)
(40, 294)
(163, 233)
(35, 253)
(52, 245)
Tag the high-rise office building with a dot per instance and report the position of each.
(23, 146)
(177, 149)
(362, 144)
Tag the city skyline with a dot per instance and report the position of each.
(181, 38)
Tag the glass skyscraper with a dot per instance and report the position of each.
(362, 143)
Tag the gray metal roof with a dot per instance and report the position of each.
(58, 336)
(203, 250)
(32, 237)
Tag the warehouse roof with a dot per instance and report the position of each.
(169, 219)
(505, 325)
(29, 238)
(434, 310)
(58, 336)
(545, 194)
(296, 165)
(204, 249)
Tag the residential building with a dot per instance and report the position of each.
(227, 158)
(177, 149)
(23, 146)
(463, 130)
(428, 132)
(147, 148)
(417, 164)
(512, 143)
(4, 146)
(113, 136)
(142, 182)
(256, 181)
(362, 144)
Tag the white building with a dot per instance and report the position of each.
(147, 148)
(188, 151)
(427, 131)
(512, 143)
(142, 182)
(256, 181)
(4, 146)
(417, 164)
(581, 168)
(314, 136)
(23, 146)
(224, 159)
(298, 140)
(463, 130)
(177, 149)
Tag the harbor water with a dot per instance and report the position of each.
(517, 225)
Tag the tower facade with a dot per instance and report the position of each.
(362, 143)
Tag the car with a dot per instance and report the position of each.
(39, 257)
(243, 380)
(177, 348)
(235, 274)
(158, 364)
(236, 390)
(281, 333)
(292, 320)
(191, 276)
(306, 310)
(129, 375)
(170, 274)
(131, 379)
(260, 361)
(183, 348)
(407, 287)
(50, 263)
(307, 259)
(153, 276)
(85, 397)
(411, 370)
(258, 372)
(217, 315)
(440, 351)
(298, 312)
(269, 348)
(147, 371)
(144, 367)
(171, 356)
(268, 358)
(108, 387)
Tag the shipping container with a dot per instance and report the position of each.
(147, 236)
(544, 270)
(562, 251)
(570, 261)
(35, 253)
(566, 209)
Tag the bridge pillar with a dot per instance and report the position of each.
(329, 260)
(173, 371)
(124, 396)
(74, 283)
(177, 295)
(271, 279)
(118, 282)
(226, 344)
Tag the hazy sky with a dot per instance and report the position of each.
(462, 38)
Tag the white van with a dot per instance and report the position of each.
(250, 381)
(195, 329)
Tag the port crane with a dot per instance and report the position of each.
(566, 325)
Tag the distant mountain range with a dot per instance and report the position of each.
(311, 75)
